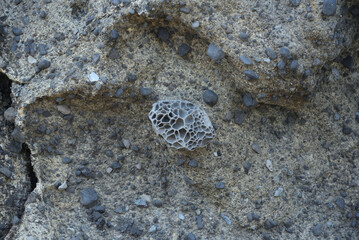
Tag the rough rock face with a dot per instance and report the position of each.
(278, 79)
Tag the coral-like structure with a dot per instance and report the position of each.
(181, 123)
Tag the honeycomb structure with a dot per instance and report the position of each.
(181, 124)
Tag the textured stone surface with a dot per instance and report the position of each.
(101, 54)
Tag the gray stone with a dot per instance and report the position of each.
(329, 7)
(317, 229)
(271, 53)
(248, 100)
(183, 49)
(285, 53)
(250, 75)
(295, 3)
(215, 53)
(239, 116)
(88, 197)
(226, 218)
(6, 172)
(43, 64)
(340, 203)
(220, 185)
(17, 135)
(141, 203)
(256, 148)
(17, 31)
(245, 60)
(210, 97)
(10, 114)
(145, 91)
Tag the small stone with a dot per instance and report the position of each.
(43, 64)
(228, 116)
(294, 65)
(88, 197)
(199, 221)
(163, 34)
(181, 216)
(43, 14)
(145, 91)
(226, 219)
(190, 236)
(329, 7)
(127, 143)
(317, 229)
(118, 210)
(348, 62)
(195, 24)
(250, 75)
(96, 58)
(285, 53)
(31, 60)
(340, 203)
(357, 117)
(63, 186)
(239, 116)
(15, 220)
(114, 34)
(269, 165)
(256, 148)
(5, 171)
(180, 161)
(10, 114)
(17, 31)
(346, 130)
(295, 3)
(281, 65)
(131, 77)
(152, 229)
(243, 36)
(246, 167)
(184, 10)
(269, 223)
(157, 203)
(141, 203)
(59, 36)
(119, 92)
(63, 109)
(278, 192)
(215, 53)
(183, 49)
(210, 97)
(220, 185)
(66, 160)
(93, 77)
(248, 100)
(193, 163)
(245, 60)
(271, 53)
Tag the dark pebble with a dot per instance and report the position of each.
(285, 53)
(346, 130)
(329, 7)
(220, 185)
(215, 53)
(317, 229)
(59, 36)
(193, 163)
(250, 75)
(348, 62)
(43, 14)
(340, 203)
(183, 49)
(357, 117)
(88, 197)
(43, 64)
(180, 161)
(131, 77)
(157, 203)
(145, 91)
(17, 31)
(281, 65)
(248, 100)
(210, 97)
(42, 49)
(163, 34)
(271, 53)
(199, 221)
(6, 172)
(256, 148)
(238, 116)
(114, 34)
(294, 65)
(17, 135)
(295, 3)
(96, 58)
(190, 236)
(246, 167)
(244, 36)
(245, 60)
(119, 92)
(269, 223)
(66, 160)
(266, 236)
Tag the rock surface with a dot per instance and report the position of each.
(85, 75)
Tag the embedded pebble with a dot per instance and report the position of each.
(5, 171)
(141, 203)
(271, 53)
(278, 192)
(10, 114)
(63, 109)
(248, 100)
(329, 7)
(245, 60)
(153, 228)
(17, 31)
(210, 97)
(183, 49)
(269, 165)
(181, 216)
(250, 75)
(163, 34)
(145, 91)
(246, 167)
(195, 24)
(317, 229)
(256, 148)
(93, 77)
(63, 186)
(243, 36)
(285, 53)
(43, 64)
(226, 219)
(88, 197)
(239, 116)
(220, 185)
(215, 53)
(31, 60)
